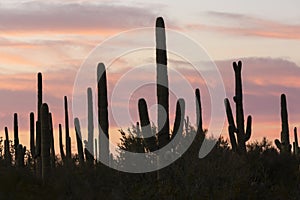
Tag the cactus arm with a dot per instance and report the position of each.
(229, 114)
(278, 144)
(79, 141)
(198, 112)
(32, 143)
(46, 142)
(232, 138)
(150, 141)
(68, 139)
(179, 118)
(248, 128)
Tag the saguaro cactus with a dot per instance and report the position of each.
(90, 145)
(103, 113)
(162, 85)
(32, 143)
(295, 143)
(242, 135)
(68, 138)
(7, 155)
(46, 142)
(38, 125)
(16, 134)
(79, 141)
(284, 146)
(61, 147)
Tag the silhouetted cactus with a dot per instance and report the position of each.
(16, 135)
(295, 143)
(68, 138)
(242, 135)
(284, 146)
(7, 154)
(61, 147)
(162, 89)
(96, 150)
(90, 145)
(150, 142)
(179, 118)
(38, 126)
(46, 142)
(79, 141)
(52, 149)
(103, 125)
(32, 143)
(198, 112)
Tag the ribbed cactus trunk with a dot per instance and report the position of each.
(7, 154)
(52, 150)
(90, 145)
(61, 147)
(162, 85)
(68, 138)
(38, 126)
(79, 141)
(150, 139)
(46, 142)
(284, 146)
(103, 114)
(16, 135)
(21, 153)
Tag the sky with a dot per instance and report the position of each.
(56, 38)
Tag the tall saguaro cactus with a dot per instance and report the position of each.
(284, 146)
(103, 113)
(242, 135)
(38, 126)
(46, 142)
(90, 145)
(16, 134)
(162, 85)
(68, 138)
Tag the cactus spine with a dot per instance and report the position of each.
(242, 135)
(90, 145)
(103, 113)
(79, 141)
(68, 138)
(46, 142)
(162, 89)
(284, 146)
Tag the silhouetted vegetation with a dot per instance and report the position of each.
(238, 171)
